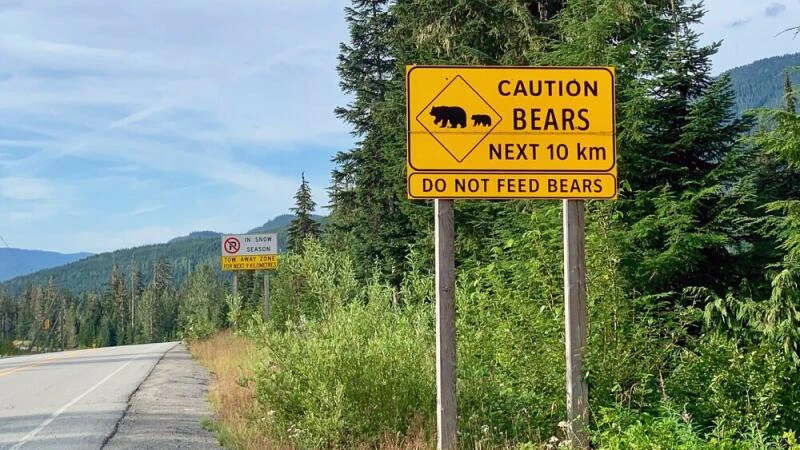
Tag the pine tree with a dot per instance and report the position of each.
(790, 104)
(679, 159)
(364, 67)
(201, 306)
(118, 298)
(136, 295)
(366, 213)
(303, 226)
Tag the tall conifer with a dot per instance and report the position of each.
(303, 226)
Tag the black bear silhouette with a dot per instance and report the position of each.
(482, 120)
(452, 115)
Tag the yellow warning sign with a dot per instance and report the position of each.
(478, 121)
(257, 262)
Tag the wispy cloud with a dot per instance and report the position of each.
(774, 9)
(739, 23)
(25, 188)
(142, 210)
(159, 112)
(748, 30)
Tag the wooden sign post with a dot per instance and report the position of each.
(498, 132)
(575, 311)
(235, 283)
(445, 325)
(266, 296)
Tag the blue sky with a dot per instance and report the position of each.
(130, 122)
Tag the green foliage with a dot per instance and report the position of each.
(363, 371)
(303, 226)
(309, 285)
(7, 348)
(235, 312)
(201, 307)
(790, 102)
(761, 84)
(367, 190)
(619, 429)
(735, 386)
(510, 360)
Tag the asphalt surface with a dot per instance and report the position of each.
(168, 409)
(79, 399)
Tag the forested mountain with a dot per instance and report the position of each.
(281, 222)
(761, 83)
(197, 235)
(16, 262)
(94, 272)
(183, 253)
(692, 274)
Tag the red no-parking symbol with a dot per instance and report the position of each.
(232, 245)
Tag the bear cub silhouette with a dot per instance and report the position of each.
(482, 120)
(453, 115)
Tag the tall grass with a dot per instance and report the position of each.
(230, 359)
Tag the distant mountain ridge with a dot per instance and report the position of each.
(15, 262)
(760, 84)
(196, 235)
(184, 254)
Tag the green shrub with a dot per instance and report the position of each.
(200, 312)
(621, 429)
(364, 371)
(7, 348)
(736, 387)
(307, 285)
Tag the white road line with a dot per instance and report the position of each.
(53, 416)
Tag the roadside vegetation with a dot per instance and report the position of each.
(694, 301)
(693, 273)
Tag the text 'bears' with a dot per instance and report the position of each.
(565, 119)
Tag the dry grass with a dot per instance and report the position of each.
(230, 360)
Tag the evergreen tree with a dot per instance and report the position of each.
(118, 298)
(790, 104)
(136, 295)
(366, 214)
(158, 309)
(679, 161)
(303, 226)
(201, 306)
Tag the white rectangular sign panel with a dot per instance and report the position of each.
(250, 244)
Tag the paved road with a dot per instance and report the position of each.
(71, 400)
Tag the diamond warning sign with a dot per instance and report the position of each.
(493, 121)
(458, 118)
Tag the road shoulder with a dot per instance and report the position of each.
(168, 409)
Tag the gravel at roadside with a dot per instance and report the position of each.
(168, 409)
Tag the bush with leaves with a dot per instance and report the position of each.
(200, 312)
(621, 429)
(363, 371)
